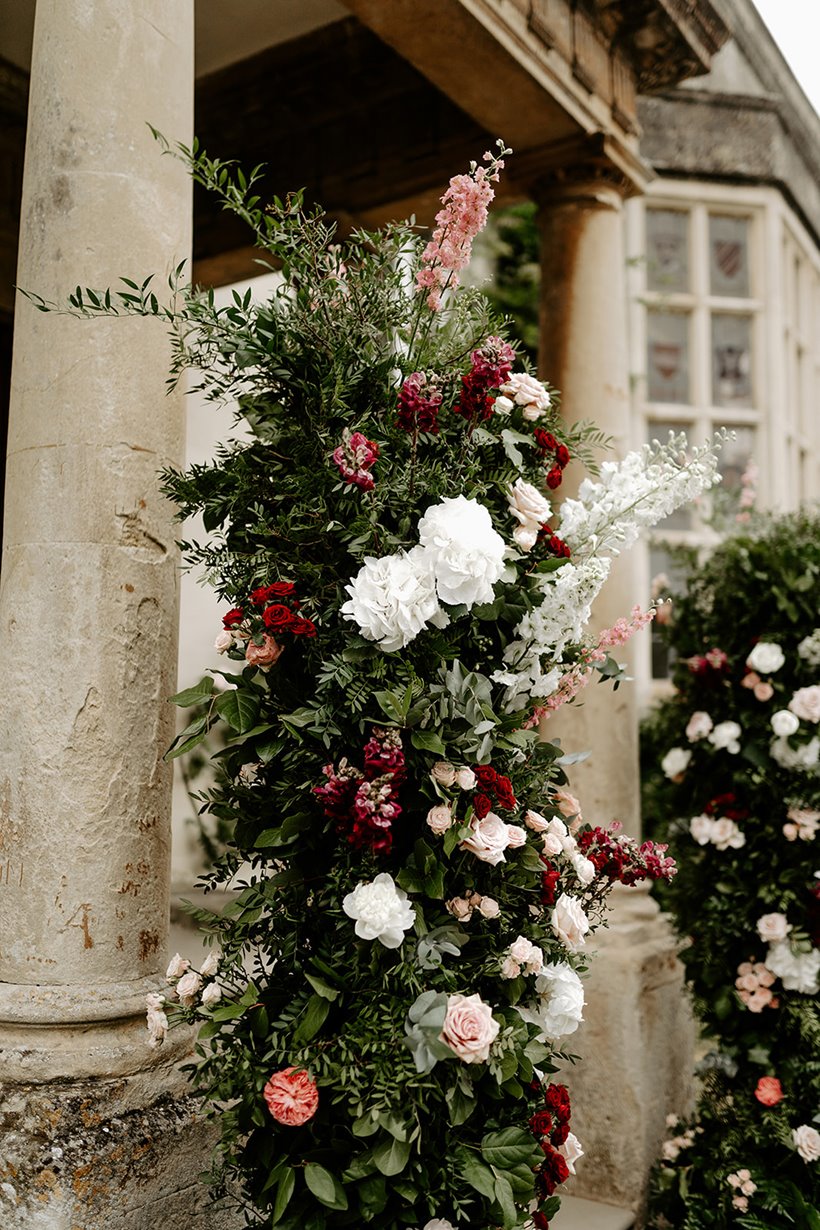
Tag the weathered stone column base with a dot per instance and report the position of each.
(123, 1154)
(636, 1047)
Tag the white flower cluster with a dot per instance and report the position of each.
(809, 648)
(559, 1006)
(525, 391)
(722, 833)
(604, 520)
(804, 758)
(798, 971)
(635, 493)
(726, 735)
(459, 559)
(559, 841)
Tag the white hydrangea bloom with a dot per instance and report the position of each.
(463, 551)
(726, 735)
(393, 598)
(809, 648)
(798, 971)
(803, 758)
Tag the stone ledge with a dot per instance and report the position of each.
(577, 1214)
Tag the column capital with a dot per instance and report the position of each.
(586, 167)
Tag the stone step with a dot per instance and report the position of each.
(578, 1214)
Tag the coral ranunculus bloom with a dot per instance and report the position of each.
(769, 1091)
(292, 1097)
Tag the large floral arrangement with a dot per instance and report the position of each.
(399, 966)
(733, 759)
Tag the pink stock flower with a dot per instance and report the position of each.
(292, 1097)
(624, 628)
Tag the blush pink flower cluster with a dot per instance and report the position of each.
(463, 216)
(752, 984)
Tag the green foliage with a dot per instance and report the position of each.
(759, 586)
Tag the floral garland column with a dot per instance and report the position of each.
(637, 1037)
(88, 608)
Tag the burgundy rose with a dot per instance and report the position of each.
(234, 617)
(549, 885)
(300, 626)
(482, 805)
(539, 1221)
(485, 775)
(562, 456)
(541, 1123)
(553, 1170)
(504, 793)
(555, 477)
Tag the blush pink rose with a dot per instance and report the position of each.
(263, 655)
(517, 836)
(440, 818)
(763, 691)
(570, 923)
(805, 703)
(535, 821)
(292, 1097)
(489, 838)
(469, 1028)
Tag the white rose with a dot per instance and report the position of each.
(488, 907)
(502, 405)
(488, 839)
(382, 911)
(584, 868)
(464, 552)
(460, 908)
(188, 988)
(806, 703)
(569, 922)
(527, 504)
(510, 967)
(766, 658)
(156, 1020)
(439, 1223)
(223, 641)
(525, 390)
(211, 995)
(517, 837)
(211, 964)
(726, 835)
(177, 966)
(726, 735)
(521, 950)
(807, 1142)
(440, 818)
(526, 536)
(773, 927)
(465, 778)
(559, 1008)
(698, 726)
(701, 829)
(784, 723)
(392, 598)
(676, 761)
(552, 844)
(443, 773)
(572, 1151)
(535, 821)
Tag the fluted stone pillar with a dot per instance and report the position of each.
(88, 620)
(637, 1039)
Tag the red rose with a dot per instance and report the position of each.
(541, 1123)
(555, 477)
(769, 1091)
(234, 617)
(277, 616)
(504, 793)
(556, 1099)
(549, 885)
(540, 1222)
(554, 1170)
(302, 627)
(559, 1134)
(562, 455)
(482, 805)
(485, 775)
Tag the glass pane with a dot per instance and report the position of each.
(657, 429)
(667, 250)
(667, 573)
(734, 458)
(729, 256)
(667, 356)
(731, 360)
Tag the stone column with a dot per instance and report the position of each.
(636, 1042)
(88, 621)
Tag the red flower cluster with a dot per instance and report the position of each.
(547, 443)
(549, 883)
(621, 858)
(726, 805)
(553, 543)
(550, 1127)
(364, 804)
(708, 665)
(354, 458)
(492, 789)
(490, 366)
(419, 403)
(277, 616)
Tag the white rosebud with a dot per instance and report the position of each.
(805, 703)
(784, 723)
(211, 995)
(535, 821)
(570, 923)
(510, 967)
(698, 726)
(502, 405)
(460, 908)
(572, 1151)
(489, 908)
(701, 829)
(773, 927)
(211, 964)
(465, 778)
(726, 735)
(552, 845)
(177, 966)
(584, 868)
(676, 762)
(517, 836)
(223, 641)
(188, 988)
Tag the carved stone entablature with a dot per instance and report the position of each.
(578, 167)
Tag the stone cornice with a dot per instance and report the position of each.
(665, 40)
